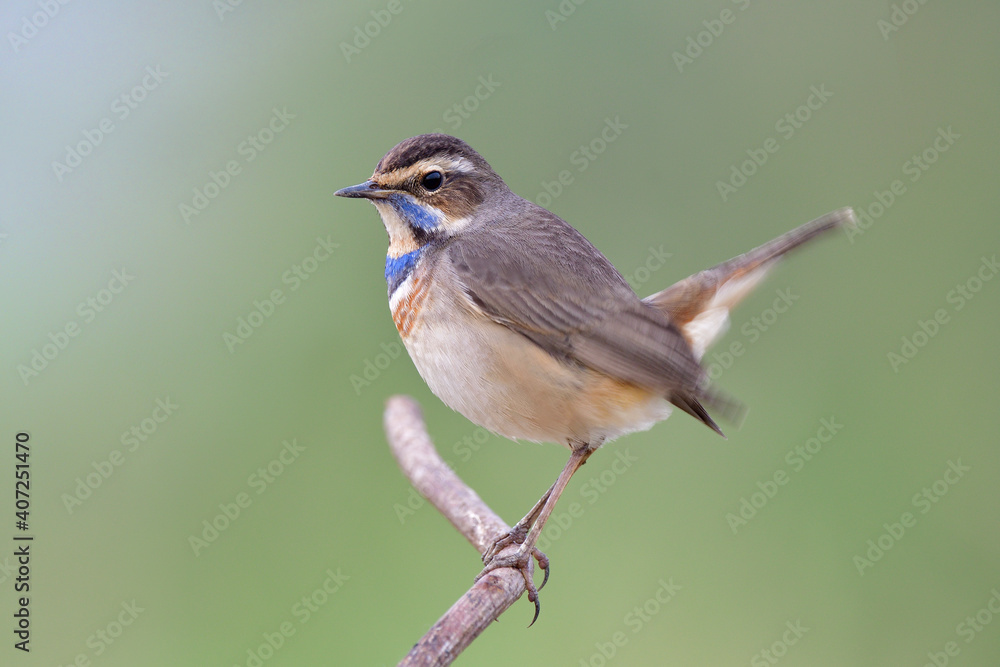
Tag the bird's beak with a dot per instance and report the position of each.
(367, 190)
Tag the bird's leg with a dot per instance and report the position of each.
(519, 533)
(534, 522)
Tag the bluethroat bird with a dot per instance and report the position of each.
(516, 321)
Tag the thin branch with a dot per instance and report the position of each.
(490, 596)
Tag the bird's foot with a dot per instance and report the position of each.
(520, 560)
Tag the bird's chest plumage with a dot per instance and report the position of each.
(499, 379)
(407, 303)
(428, 321)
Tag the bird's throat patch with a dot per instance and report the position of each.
(398, 269)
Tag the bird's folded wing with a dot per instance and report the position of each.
(551, 285)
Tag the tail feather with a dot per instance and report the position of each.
(693, 407)
(700, 304)
(726, 407)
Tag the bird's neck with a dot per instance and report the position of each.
(411, 226)
(399, 268)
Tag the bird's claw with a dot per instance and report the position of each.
(520, 560)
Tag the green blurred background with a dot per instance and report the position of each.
(334, 510)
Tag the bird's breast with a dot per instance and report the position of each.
(504, 382)
(406, 303)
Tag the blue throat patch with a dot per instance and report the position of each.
(398, 269)
(416, 215)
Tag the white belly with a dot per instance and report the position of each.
(502, 381)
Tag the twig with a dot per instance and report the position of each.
(490, 596)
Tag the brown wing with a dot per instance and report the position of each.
(543, 279)
(699, 305)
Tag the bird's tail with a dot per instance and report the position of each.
(726, 407)
(699, 305)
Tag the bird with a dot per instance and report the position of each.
(516, 321)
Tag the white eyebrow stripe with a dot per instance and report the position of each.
(453, 164)
(461, 164)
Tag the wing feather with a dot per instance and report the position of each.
(545, 281)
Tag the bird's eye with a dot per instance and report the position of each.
(432, 180)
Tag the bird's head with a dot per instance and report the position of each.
(427, 187)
